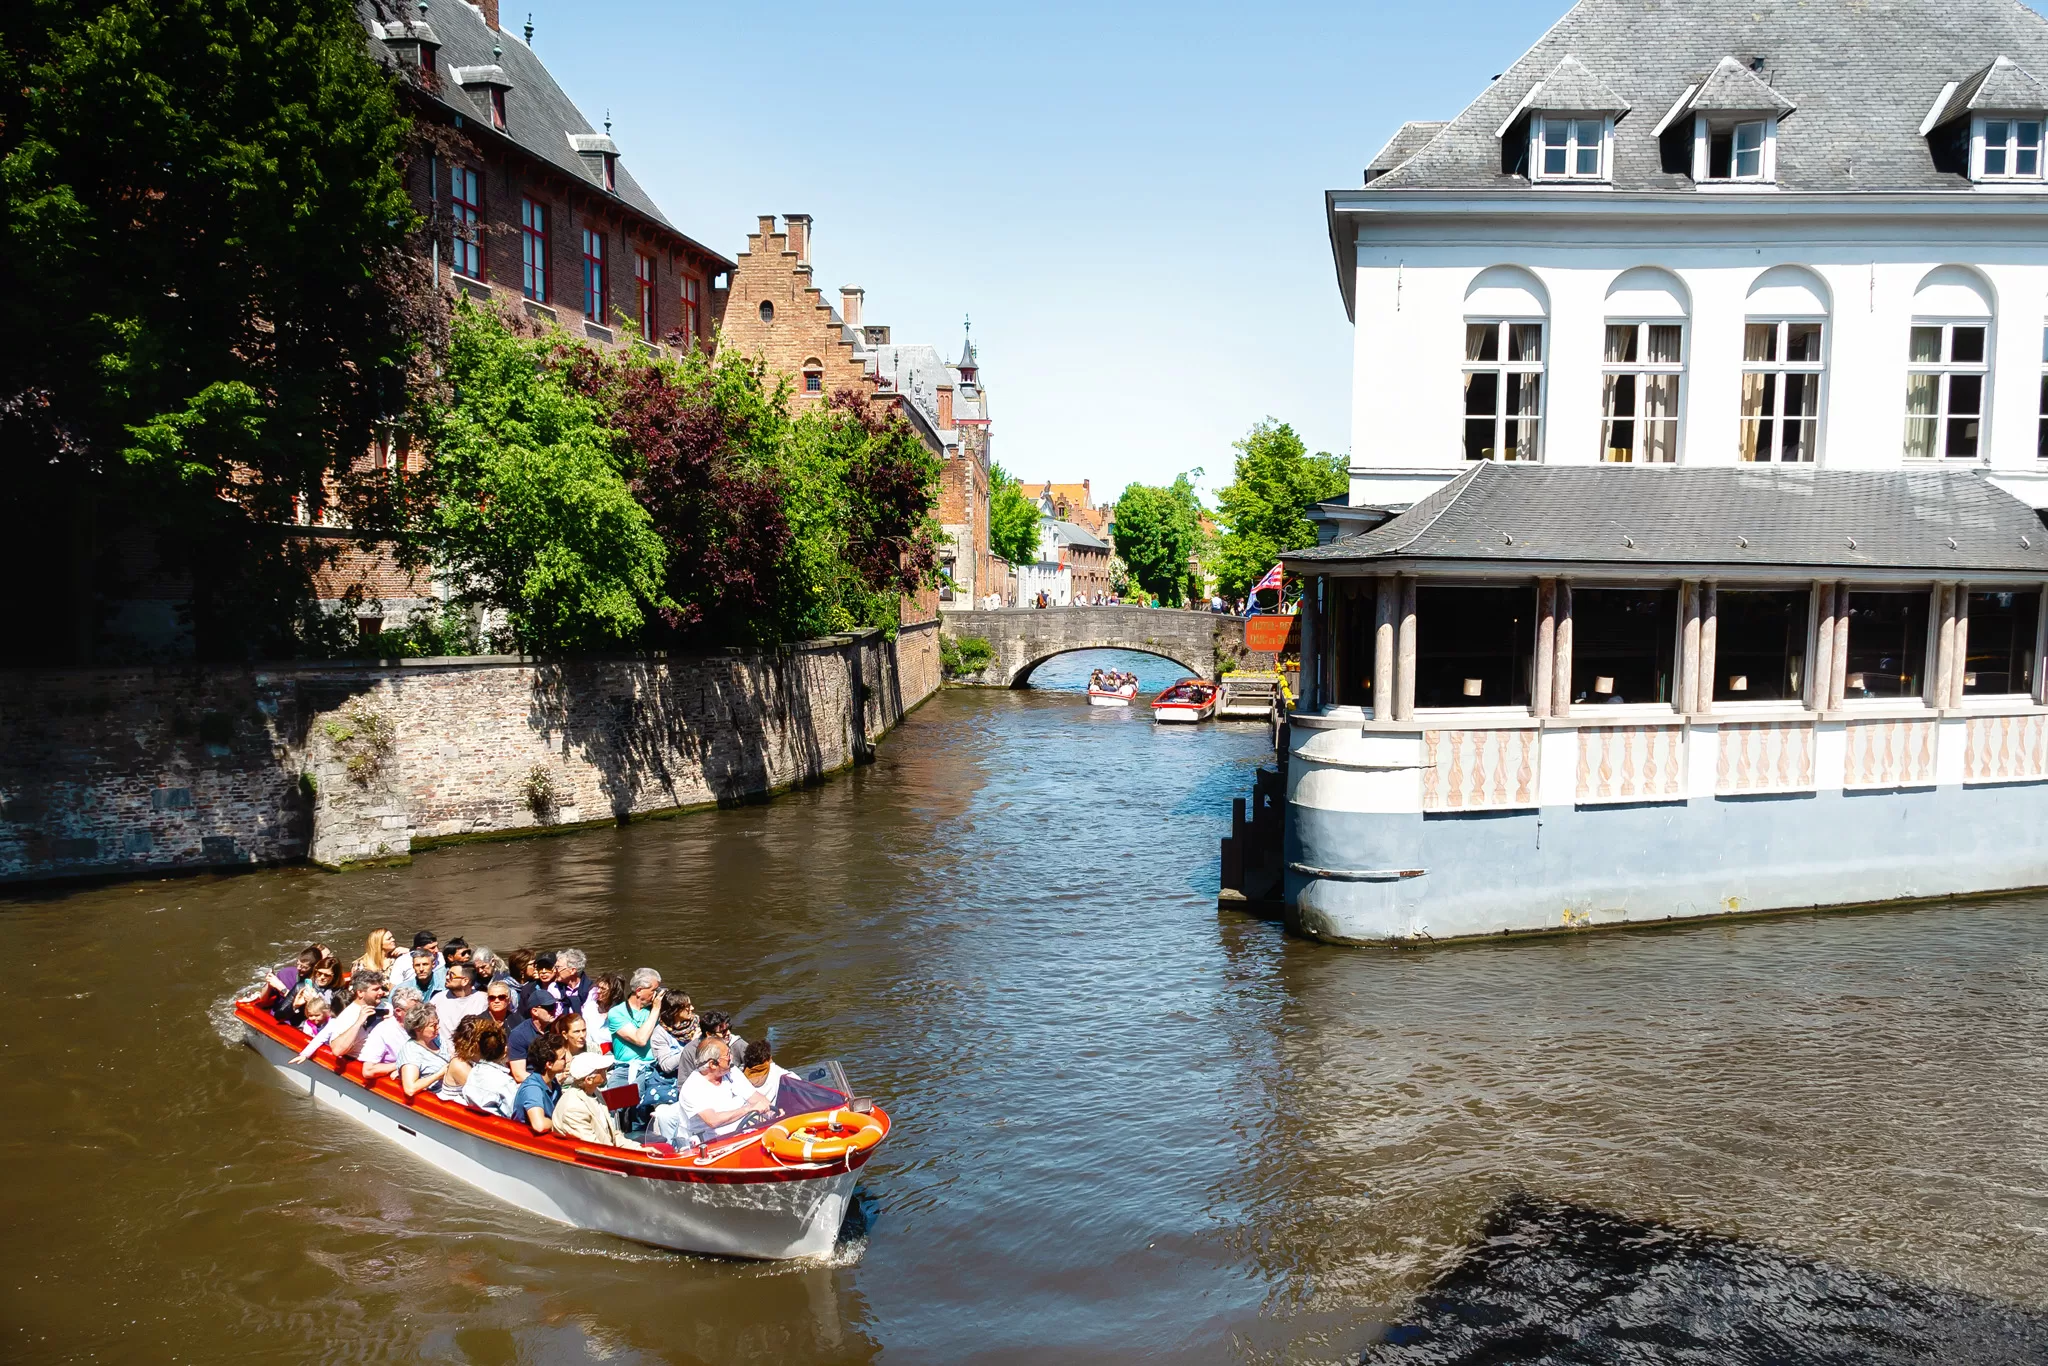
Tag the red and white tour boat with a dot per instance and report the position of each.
(1186, 702)
(1120, 696)
(734, 1197)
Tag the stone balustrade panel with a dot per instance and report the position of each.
(1631, 764)
(1479, 770)
(1765, 756)
(2004, 749)
(1892, 752)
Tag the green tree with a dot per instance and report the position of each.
(1156, 530)
(1012, 519)
(526, 495)
(208, 287)
(1263, 508)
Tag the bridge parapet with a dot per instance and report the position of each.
(1203, 643)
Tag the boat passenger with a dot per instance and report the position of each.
(540, 984)
(714, 1101)
(380, 955)
(762, 1072)
(538, 1024)
(498, 1005)
(607, 989)
(632, 1022)
(464, 1053)
(424, 976)
(345, 1033)
(285, 980)
(488, 968)
(571, 1033)
(460, 1000)
(673, 1044)
(718, 1025)
(579, 1114)
(426, 939)
(571, 986)
(380, 1051)
(316, 1014)
(519, 964)
(490, 1087)
(420, 1065)
(534, 1101)
(455, 950)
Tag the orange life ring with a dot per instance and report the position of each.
(824, 1136)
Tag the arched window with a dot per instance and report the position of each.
(1506, 309)
(814, 377)
(1784, 350)
(1948, 354)
(1643, 367)
(767, 311)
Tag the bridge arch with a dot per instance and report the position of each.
(1023, 638)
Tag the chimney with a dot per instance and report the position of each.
(850, 297)
(490, 9)
(799, 235)
(945, 407)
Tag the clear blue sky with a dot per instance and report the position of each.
(1127, 198)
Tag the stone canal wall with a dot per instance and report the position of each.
(139, 771)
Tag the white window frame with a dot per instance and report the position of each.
(1780, 368)
(2041, 433)
(1502, 367)
(1575, 124)
(2010, 148)
(1944, 372)
(1643, 369)
(1703, 130)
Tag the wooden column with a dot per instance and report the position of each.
(2041, 648)
(1386, 609)
(1820, 678)
(1689, 647)
(1838, 686)
(1546, 645)
(1312, 662)
(1404, 653)
(1959, 672)
(1561, 657)
(1710, 608)
(1944, 644)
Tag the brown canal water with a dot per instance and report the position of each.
(1130, 1127)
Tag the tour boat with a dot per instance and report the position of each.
(734, 1197)
(1112, 697)
(1186, 702)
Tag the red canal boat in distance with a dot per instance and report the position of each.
(733, 1197)
(1188, 701)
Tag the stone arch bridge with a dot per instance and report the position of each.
(1204, 643)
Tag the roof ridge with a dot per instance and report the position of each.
(1450, 494)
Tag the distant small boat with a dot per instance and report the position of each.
(1185, 703)
(1112, 697)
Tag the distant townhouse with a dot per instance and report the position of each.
(774, 311)
(1691, 562)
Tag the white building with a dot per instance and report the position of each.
(1572, 659)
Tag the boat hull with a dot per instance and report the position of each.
(1173, 714)
(1111, 699)
(768, 1219)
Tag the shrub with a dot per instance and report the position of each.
(961, 655)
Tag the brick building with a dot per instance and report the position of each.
(538, 212)
(774, 311)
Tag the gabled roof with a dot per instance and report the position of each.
(1657, 517)
(2001, 87)
(1733, 88)
(1071, 534)
(1408, 139)
(539, 117)
(1571, 89)
(1862, 74)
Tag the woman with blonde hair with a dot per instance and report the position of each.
(380, 951)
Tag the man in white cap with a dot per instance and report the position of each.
(715, 1099)
(579, 1114)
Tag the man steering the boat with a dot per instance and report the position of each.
(715, 1100)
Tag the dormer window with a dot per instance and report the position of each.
(497, 109)
(1569, 148)
(611, 172)
(2008, 149)
(1738, 150)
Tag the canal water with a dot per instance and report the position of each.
(1130, 1126)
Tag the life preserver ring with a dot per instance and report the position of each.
(824, 1136)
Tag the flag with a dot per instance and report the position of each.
(1272, 581)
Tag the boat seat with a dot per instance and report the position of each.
(621, 1097)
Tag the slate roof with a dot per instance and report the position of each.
(1677, 515)
(539, 117)
(1862, 74)
(1733, 88)
(1408, 139)
(1571, 89)
(1071, 534)
(2002, 87)
(916, 371)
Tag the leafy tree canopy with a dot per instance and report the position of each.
(1263, 508)
(527, 499)
(1012, 519)
(1156, 530)
(205, 277)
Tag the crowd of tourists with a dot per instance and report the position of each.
(532, 1036)
(1111, 680)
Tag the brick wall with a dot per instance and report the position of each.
(143, 771)
(799, 331)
